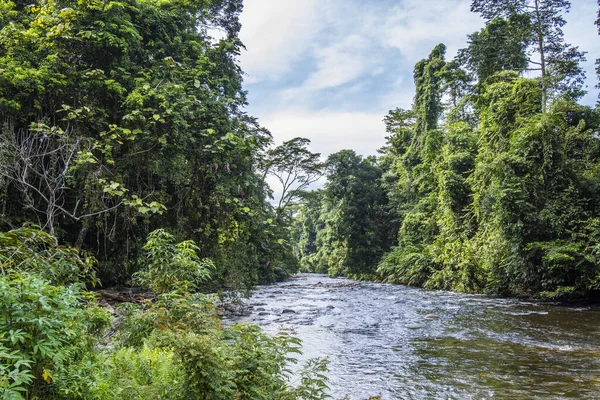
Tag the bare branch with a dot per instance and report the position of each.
(39, 164)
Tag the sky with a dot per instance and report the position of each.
(329, 70)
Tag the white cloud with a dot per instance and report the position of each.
(329, 132)
(346, 41)
(581, 31)
(401, 94)
(276, 34)
(339, 63)
(414, 25)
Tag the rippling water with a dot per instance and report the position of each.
(406, 343)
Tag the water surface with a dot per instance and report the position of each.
(406, 343)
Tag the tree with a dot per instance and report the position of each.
(42, 164)
(345, 228)
(500, 46)
(308, 223)
(480, 195)
(295, 167)
(400, 126)
(366, 225)
(558, 62)
(598, 59)
(428, 96)
(169, 266)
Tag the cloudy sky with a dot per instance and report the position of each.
(329, 70)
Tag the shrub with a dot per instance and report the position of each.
(46, 331)
(32, 250)
(170, 266)
(141, 373)
(240, 362)
(171, 314)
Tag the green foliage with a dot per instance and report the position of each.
(141, 373)
(170, 312)
(500, 46)
(121, 118)
(169, 266)
(507, 206)
(29, 249)
(538, 28)
(407, 265)
(344, 229)
(251, 367)
(313, 382)
(47, 331)
(15, 371)
(428, 81)
(295, 167)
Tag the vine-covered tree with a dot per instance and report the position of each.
(501, 45)
(557, 62)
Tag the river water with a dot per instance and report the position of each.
(399, 342)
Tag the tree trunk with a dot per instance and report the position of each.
(540, 37)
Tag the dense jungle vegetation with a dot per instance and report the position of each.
(119, 118)
(489, 183)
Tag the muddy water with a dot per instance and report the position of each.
(406, 343)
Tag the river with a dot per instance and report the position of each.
(406, 343)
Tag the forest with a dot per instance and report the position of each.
(127, 159)
(488, 184)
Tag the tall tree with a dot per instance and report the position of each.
(295, 167)
(598, 59)
(345, 228)
(500, 46)
(365, 225)
(428, 82)
(557, 61)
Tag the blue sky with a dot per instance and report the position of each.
(329, 70)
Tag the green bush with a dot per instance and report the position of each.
(170, 314)
(32, 250)
(312, 382)
(46, 330)
(144, 373)
(170, 266)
